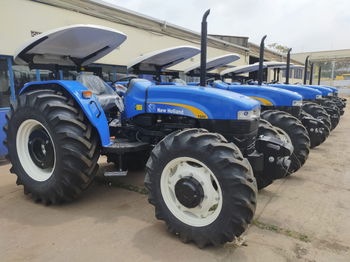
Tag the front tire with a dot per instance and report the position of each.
(52, 147)
(297, 134)
(201, 186)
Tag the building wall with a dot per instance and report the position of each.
(20, 17)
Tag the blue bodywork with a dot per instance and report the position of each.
(306, 92)
(265, 95)
(324, 90)
(145, 97)
(3, 149)
(92, 109)
(192, 101)
(269, 96)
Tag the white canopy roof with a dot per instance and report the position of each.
(242, 69)
(164, 58)
(215, 62)
(275, 64)
(70, 46)
(282, 65)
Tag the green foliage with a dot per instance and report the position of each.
(279, 48)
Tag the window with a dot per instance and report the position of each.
(4, 83)
(22, 75)
(298, 73)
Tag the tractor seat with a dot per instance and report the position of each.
(104, 94)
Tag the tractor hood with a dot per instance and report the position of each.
(193, 101)
(326, 91)
(334, 89)
(163, 59)
(306, 92)
(268, 96)
(76, 45)
(214, 63)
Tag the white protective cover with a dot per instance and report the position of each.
(164, 58)
(215, 62)
(105, 95)
(70, 46)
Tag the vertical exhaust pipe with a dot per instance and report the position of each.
(288, 66)
(311, 73)
(261, 61)
(305, 69)
(319, 75)
(204, 33)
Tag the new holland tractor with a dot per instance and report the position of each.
(155, 66)
(200, 182)
(281, 108)
(315, 106)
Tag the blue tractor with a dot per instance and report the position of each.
(333, 96)
(279, 106)
(315, 106)
(200, 182)
(155, 66)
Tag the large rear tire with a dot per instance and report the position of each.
(201, 186)
(318, 112)
(52, 147)
(297, 134)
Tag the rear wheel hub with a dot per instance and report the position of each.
(189, 192)
(41, 149)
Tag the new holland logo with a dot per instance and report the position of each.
(177, 109)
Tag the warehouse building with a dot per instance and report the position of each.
(145, 34)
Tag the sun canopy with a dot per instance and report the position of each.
(275, 64)
(163, 59)
(241, 69)
(76, 45)
(215, 62)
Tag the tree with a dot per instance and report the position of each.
(281, 49)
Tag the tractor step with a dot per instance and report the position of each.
(115, 173)
(121, 146)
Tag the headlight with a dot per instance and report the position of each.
(249, 115)
(318, 96)
(330, 94)
(297, 103)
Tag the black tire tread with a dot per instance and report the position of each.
(79, 144)
(241, 184)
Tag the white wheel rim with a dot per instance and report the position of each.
(209, 208)
(22, 141)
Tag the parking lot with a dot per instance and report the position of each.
(302, 218)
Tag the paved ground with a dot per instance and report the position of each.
(302, 218)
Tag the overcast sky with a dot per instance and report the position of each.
(304, 25)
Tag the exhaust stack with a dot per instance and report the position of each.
(319, 75)
(204, 33)
(261, 61)
(305, 69)
(288, 66)
(311, 73)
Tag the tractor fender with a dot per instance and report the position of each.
(91, 107)
(306, 92)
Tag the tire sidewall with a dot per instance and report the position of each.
(23, 114)
(202, 157)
